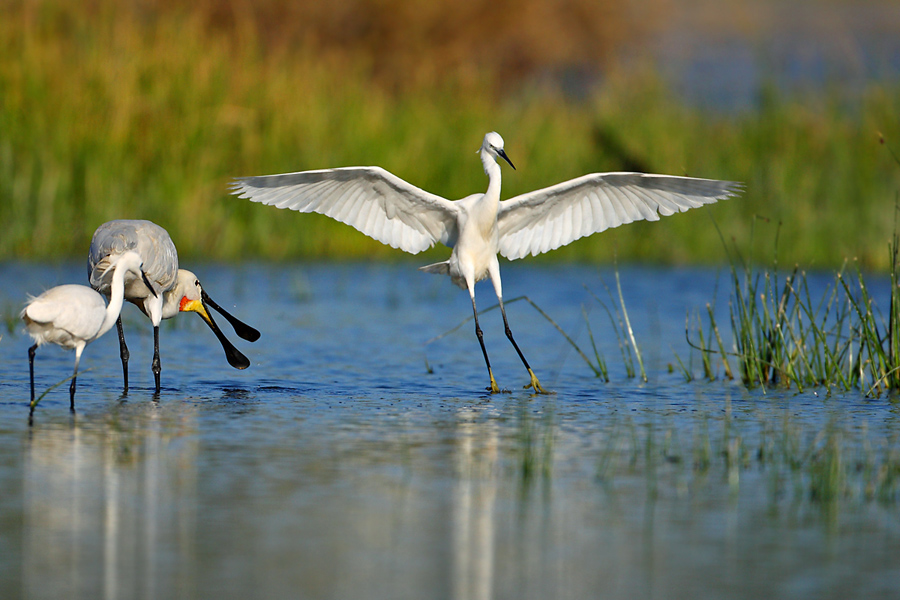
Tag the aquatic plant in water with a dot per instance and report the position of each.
(784, 336)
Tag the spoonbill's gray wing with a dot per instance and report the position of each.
(551, 217)
(148, 239)
(374, 201)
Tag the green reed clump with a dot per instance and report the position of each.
(784, 336)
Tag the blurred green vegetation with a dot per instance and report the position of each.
(146, 110)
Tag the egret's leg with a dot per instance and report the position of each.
(31, 370)
(494, 272)
(72, 392)
(156, 366)
(78, 351)
(494, 389)
(534, 380)
(123, 353)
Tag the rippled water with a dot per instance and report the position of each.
(355, 460)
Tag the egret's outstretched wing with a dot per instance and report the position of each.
(374, 201)
(548, 218)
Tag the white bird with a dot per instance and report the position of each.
(171, 290)
(477, 227)
(72, 316)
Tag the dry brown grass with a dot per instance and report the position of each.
(402, 44)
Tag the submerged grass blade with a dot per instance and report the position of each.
(601, 363)
(686, 372)
(634, 346)
(37, 400)
(599, 369)
(618, 329)
(715, 328)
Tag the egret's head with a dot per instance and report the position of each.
(130, 262)
(493, 145)
(493, 140)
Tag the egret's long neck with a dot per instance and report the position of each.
(492, 170)
(116, 299)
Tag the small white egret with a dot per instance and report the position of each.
(72, 316)
(172, 290)
(477, 227)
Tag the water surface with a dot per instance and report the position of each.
(354, 459)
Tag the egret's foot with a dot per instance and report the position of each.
(494, 388)
(535, 384)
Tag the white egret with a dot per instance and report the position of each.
(172, 290)
(477, 227)
(72, 316)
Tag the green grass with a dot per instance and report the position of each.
(786, 336)
(108, 112)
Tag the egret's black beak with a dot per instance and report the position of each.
(502, 154)
(242, 329)
(147, 283)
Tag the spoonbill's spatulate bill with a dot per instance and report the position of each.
(478, 227)
(72, 316)
(171, 290)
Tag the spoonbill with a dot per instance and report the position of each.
(171, 290)
(477, 227)
(72, 316)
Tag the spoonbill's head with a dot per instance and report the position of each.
(188, 294)
(493, 145)
(191, 298)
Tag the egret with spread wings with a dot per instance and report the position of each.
(478, 227)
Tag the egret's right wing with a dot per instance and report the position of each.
(551, 217)
(370, 199)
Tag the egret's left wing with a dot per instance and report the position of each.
(551, 217)
(371, 199)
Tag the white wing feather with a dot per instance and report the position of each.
(76, 309)
(371, 199)
(551, 217)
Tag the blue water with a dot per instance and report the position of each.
(354, 459)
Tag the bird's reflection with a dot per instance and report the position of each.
(475, 495)
(99, 499)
